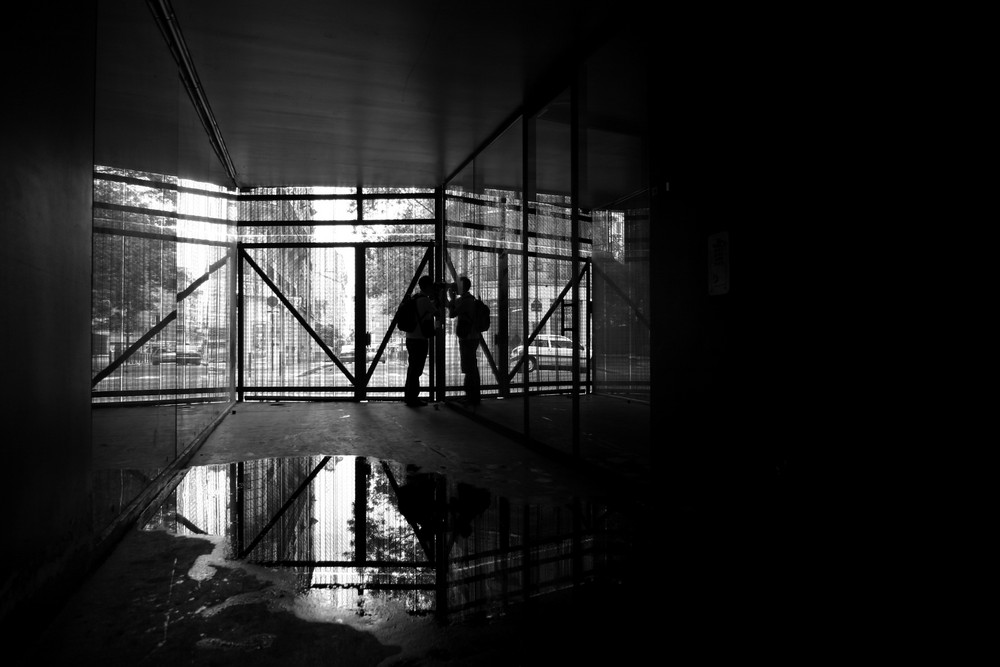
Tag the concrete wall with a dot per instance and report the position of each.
(45, 203)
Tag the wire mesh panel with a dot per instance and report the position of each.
(275, 511)
(161, 288)
(134, 291)
(203, 501)
(324, 274)
(553, 549)
(536, 306)
(483, 241)
(296, 302)
(621, 287)
(397, 204)
(300, 319)
(511, 552)
(391, 272)
(550, 352)
(134, 280)
(484, 572)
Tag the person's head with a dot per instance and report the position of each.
(426, 284)
(464, 284)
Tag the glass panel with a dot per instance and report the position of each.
(134, 255)
(483, 222)
(616, 191)
(550, 270)
(161, 318)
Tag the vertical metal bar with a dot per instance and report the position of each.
(441, 544)
(504, 555)
(240, 325)
(361, 470)
(577, 538)
(574, 188)
(502, 335)
(360, 301)
(360, 322)
(526, 555)
(237, 490)
(588, 345)
(438, 384)
(527, 196)
(234, 328)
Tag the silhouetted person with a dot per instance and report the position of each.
(417, 501)
(462, 307)
(417, 341)
(470, 502)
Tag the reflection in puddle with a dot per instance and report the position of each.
(357, 533)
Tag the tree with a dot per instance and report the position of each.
(392, 207)
(132, 274)
(388, 537)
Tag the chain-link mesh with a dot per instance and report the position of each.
(161, 289)
(621, 287)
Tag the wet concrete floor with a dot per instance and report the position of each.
(170, 596)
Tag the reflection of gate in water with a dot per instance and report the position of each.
(318, 320)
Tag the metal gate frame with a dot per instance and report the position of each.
(359, 383)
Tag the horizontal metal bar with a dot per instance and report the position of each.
(310, 244)
(138, 210)
(353, 564)
(335, 196)
(334, 223)
(166, 238)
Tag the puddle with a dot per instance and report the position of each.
(352, 535)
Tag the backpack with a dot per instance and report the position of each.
(481, 319)
(406, 314)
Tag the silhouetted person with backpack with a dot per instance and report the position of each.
(418, 341)
(462, 307)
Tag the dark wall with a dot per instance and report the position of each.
(45, 200)
(729, 412)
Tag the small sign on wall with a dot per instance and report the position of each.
(718, 263)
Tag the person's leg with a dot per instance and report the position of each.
(470, 367)
(416, 352)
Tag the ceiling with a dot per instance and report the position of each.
(325, 93)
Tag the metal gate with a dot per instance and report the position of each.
(318, 320)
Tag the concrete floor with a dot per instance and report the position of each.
(165, 599)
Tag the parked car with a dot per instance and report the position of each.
(180, 355)
(396, 350)
(550, 351)
(347, 353)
